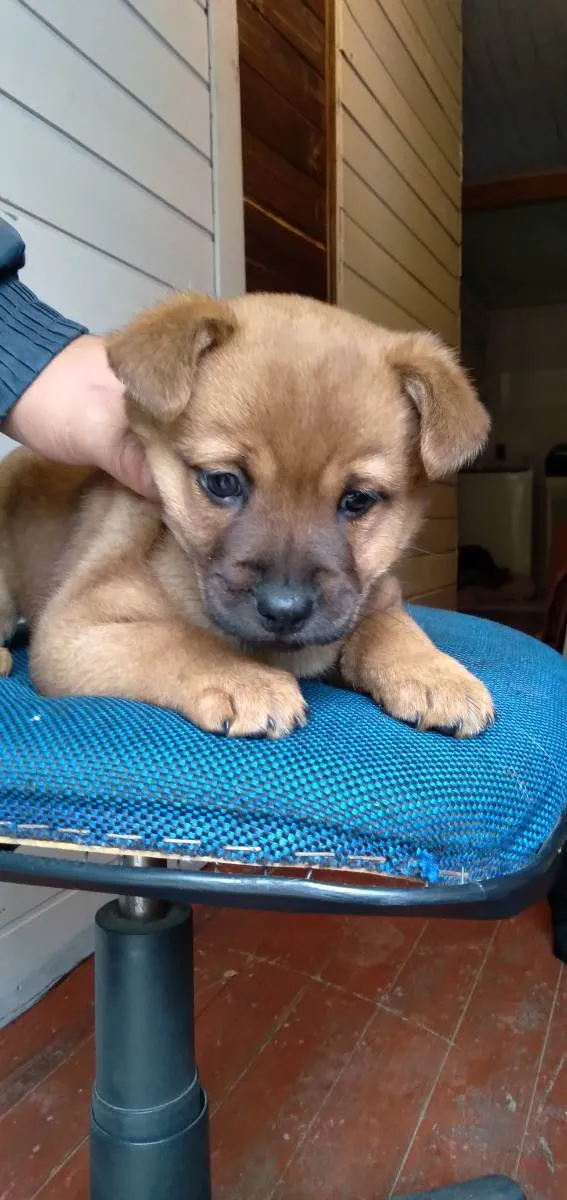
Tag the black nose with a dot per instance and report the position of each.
(283, 607)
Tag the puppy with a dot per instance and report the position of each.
(291, 444)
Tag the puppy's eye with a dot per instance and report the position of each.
(355, 503)
(224, 487)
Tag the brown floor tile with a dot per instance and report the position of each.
(369, 952)
(46, 1126)
(477, 1116)
(354, 1148)
(543, 1164)
(436, 981)
(71, 1182)
(260, 1124)
(33, 1045)
(240, 1021)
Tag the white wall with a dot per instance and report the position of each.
(399, 199)
(121, 167)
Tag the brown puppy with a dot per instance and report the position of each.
(291, 443)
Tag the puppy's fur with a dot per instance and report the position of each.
(304, 404)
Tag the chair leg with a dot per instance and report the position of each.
(558, 905)
(149, 1119)
(492, 1187)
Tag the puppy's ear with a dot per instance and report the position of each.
(454, 425)
(156, 355)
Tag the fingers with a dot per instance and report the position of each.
(127, 462)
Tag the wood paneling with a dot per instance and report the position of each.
(151, 72)
(263, 47)
(283, 58)
(271, 119)
(399, 196)
(402, 120)
(108, 122)
(301, 26)
(296, 264)
(281, 188)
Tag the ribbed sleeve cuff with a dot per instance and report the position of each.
(31, 335)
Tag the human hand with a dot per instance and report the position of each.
(74, 413)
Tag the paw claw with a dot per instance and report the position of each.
(257, 701)
(434, 693)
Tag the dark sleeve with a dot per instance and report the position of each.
(31, 333)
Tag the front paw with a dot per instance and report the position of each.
(248, 701)
(5, 661)
(434, 692)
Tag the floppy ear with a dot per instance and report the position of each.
(156, 355)
(454, 425)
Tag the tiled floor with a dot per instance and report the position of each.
(345, 1059)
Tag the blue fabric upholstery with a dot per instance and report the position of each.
(353, 788)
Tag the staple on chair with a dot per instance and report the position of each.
(184, 841)
(314, 854)
(360, 858)
(242, 850)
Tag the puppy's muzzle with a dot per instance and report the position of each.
(283, 608)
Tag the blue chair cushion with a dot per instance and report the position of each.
(353, 789)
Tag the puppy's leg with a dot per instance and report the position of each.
(391, 659)
(161, 660)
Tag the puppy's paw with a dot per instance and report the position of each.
(5, 661)
(254, 701)
(434, 692)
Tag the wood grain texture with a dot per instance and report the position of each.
(277, 123)
(300, 25)
(294, 263)
(264, 48)
(281, 188)
(285, 132)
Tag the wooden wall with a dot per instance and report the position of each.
(284, 133)
(398, 78)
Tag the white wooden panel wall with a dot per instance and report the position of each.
(399, 200)
(121, 166)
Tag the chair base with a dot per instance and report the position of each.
(149, 1121)
(491, 1187)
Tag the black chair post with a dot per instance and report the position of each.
(149, 1119)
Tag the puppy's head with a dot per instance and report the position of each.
(290, 442)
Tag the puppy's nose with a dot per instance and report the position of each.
(283, 607)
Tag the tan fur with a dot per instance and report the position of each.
(156, 602)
